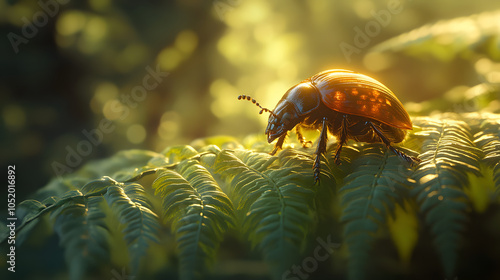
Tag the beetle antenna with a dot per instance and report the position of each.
(246, 97)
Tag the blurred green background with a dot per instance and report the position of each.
(85, 58)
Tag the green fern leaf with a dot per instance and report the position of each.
(229, 166)
(80, 225)
(179, 153)
(274, 197)
(488, 139)
(370, 192)
(199, 211)
(98, 185)
(448, 154)
(447, 39)
(141, 225)
(26, 211)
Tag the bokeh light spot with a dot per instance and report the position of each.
(14, 117)
(169, 125)
(168, 130)
(113, 109)
(70, 22)
(106, 91)
(225, 96)
(231, 46)
(186, 41)
(136, 134)
(169, 58)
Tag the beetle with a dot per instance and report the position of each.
(344, 103)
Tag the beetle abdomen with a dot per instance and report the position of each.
(352, 93)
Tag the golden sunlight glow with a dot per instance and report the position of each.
(277, 50)
(483, 65)
(232, 47)
(225, 96)
(248, 13)
(427, 178)
(169, 125)
(493, 77)
(363, 8)
(376, 61)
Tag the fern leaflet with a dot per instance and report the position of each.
(80, 225)
(199, 211)
(377, 181)
(274, 199)
(448, 154)
(488, 139)
(141, 225)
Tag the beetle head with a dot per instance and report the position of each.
(278, 123)
(295, 105)
(283, 119)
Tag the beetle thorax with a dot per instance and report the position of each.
(295, 106)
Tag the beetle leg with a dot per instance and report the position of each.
(279, 144)
(342, 139)
(321, 149)
(301, 138)
(411, 160)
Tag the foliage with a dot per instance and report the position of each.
(207, 195)
(176, 213)
(446, 39)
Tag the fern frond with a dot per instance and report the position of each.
(27, 212)
(80, 225)
(274, 197)
(488, 139)
(199, 211)
(448, 155)
(179, 153)
(378, 180)
(479, 33)
(141, 225)
(98, 185)
(246, 171)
